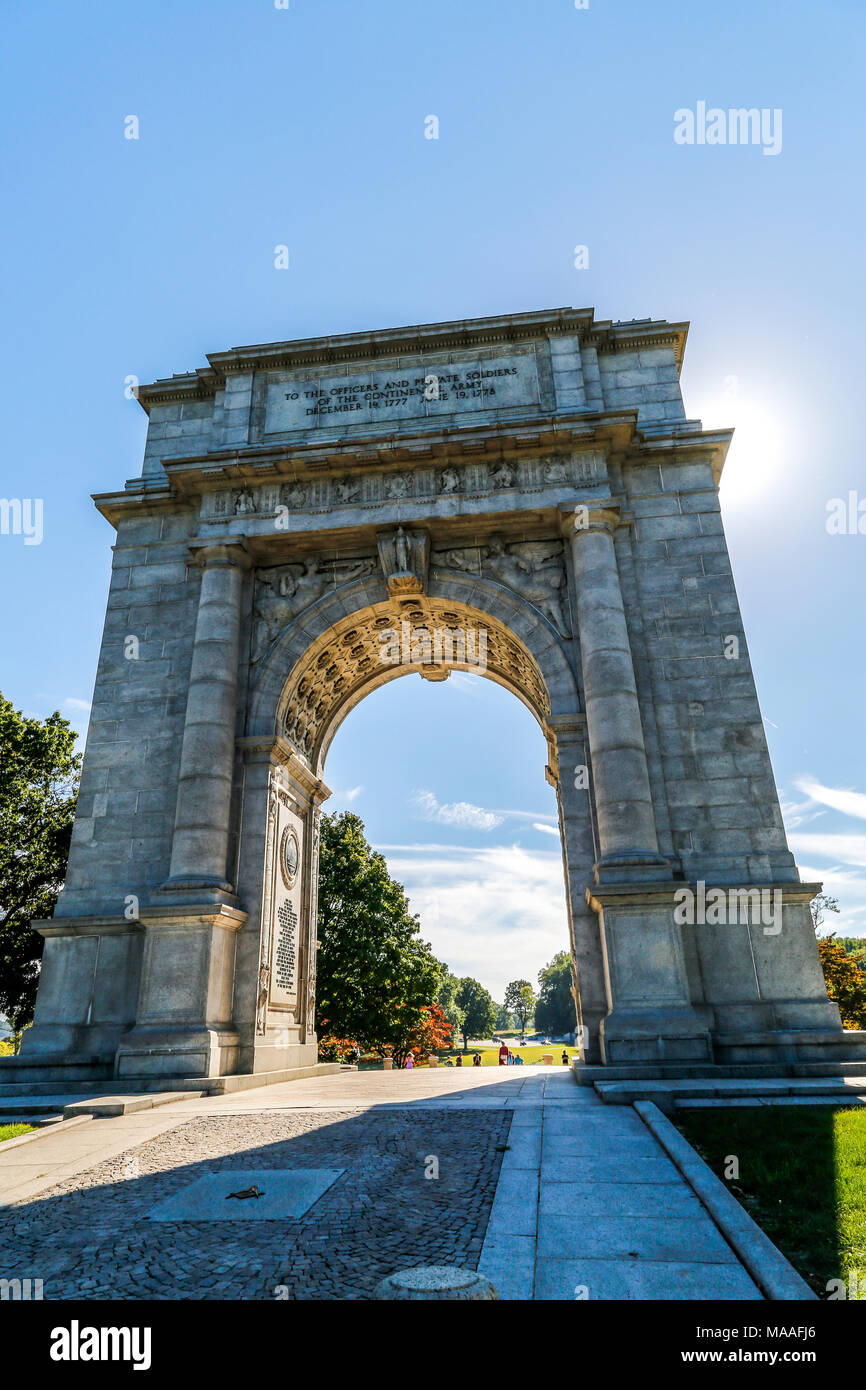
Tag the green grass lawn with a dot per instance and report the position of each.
(533, 1052)
(802, 1177)
(490, 1056)
(12, 1131)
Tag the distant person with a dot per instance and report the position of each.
(565, 1058)
(460, 1059)
(410, 1061)
(476, 1060)
(503, 1055)
(518, 1061)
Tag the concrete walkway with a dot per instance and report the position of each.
(587, 1205)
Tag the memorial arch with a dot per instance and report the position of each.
(520, 496)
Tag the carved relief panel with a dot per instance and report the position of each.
(283, 899)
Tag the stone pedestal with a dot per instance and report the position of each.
(651, 1017)
(184, 1017)
(88, 989)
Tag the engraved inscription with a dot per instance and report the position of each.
(286, 952)
(412, 392)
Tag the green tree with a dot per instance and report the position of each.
(554, 1009)
(38, 786)
(846, 982)
(479, 1010)
(376, 977)
(504, 1021)
(520, 1001)
(446, 998)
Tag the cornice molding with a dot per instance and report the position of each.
(414, 341)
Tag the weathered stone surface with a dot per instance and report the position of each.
(531, 481)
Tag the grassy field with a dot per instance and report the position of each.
(532, 1053)
(12, 1131)
(802, 1176)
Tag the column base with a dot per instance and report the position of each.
(633, 866)
(186, 1052)
(197, 892)
(656, 1035)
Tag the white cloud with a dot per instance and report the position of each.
(797, 813)
(548, 829)
(850, 803)
(461, 813)
(842, 848)
(497, 914)
(72, 703)
(350, 794)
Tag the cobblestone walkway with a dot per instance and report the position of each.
(89, 1237)
(551, 1193)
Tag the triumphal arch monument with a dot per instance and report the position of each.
(317, 517)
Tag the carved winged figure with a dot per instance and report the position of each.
(537, 580)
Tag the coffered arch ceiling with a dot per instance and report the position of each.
(377, 644)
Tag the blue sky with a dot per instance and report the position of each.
(261, 126)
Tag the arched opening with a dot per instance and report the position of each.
(351, 643)
(448, 778)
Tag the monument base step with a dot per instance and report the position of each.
(588, 1073)
(671, 1095)
(43, 1086)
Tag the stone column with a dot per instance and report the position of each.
(568, 774)
(651, 1017)
(201, 827)
(628, 843)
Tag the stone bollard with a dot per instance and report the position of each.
(387, 1063)
(547, 1059)
(436, 1282)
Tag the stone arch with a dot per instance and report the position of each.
(328, 657)
(325, 660)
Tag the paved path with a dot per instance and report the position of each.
(586, 1204)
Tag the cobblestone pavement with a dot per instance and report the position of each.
(88, 1237)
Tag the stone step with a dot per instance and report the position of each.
(104, 1107)
(670, 1094)
(9, 1090)
(26, 1104)
(30, 1119)
(588, 1074)
(743, 1102)
(35, 1083)
(71, 1090)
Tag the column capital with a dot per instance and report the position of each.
(214, 554)
(604, 514)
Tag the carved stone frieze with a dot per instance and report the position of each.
(282, 593)
(533, 569)
(422, 482)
